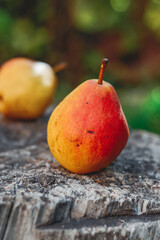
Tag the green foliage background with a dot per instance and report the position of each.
(82, 32)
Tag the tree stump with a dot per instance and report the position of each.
(39, 199)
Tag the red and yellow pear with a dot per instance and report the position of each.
(88, 129)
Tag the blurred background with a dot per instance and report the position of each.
(82, 32)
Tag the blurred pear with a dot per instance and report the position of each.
(26, 88)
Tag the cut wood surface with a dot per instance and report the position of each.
(39, 199)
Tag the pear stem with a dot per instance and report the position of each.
(103, 66)
(60, 66)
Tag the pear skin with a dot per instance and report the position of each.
(26, 88)
(88, 129)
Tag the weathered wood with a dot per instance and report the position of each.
(39, 199)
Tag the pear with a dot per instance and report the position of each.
(26, 88)
(88, 129)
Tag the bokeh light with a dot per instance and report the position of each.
(156, 1)
(152, 18)
(120, 5)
